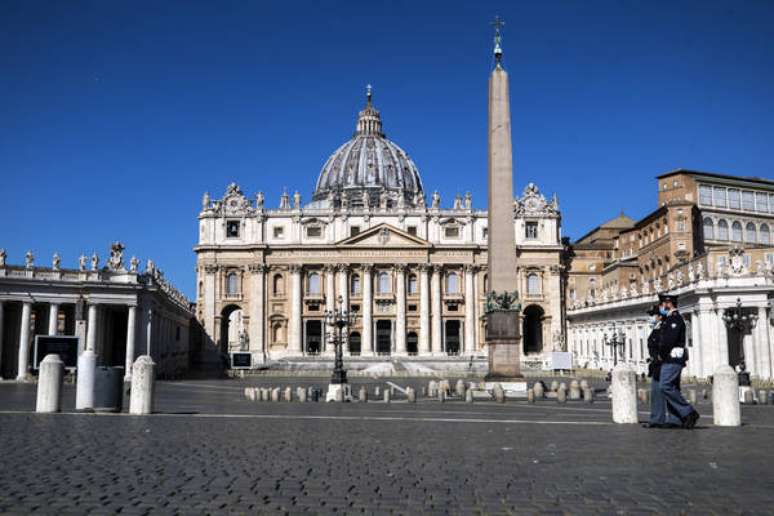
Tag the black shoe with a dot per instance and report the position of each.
(652, 425)
(691, 420)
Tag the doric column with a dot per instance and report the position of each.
(148, 330)
(722, 343)
(695, 352)
(294, 332)
(762, 344)
(256, 331)
(91, 329)
(366, 345)
(130, 342)
(53, 316)
(424, 309)
(209, 295)
(437, 345)
(24, 341)
(400, 309)
(470, 310)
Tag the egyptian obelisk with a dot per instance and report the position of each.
(503, 319)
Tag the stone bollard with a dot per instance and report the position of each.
(84, 385)
(725, 397)
(459, 387)
(538, 391)
(704, 394)
(247, 392)
(302, 395)
(275, 394)
(762, 397)
(575, 392)
(376, 391)
(530, 396)
(561, 395)
(143, 378)
(624, 389)
(340, 394)
(50, 384)
(554, 386)
(588, 395)
(441, 395)
(469, 396)
(411, 395)
(562, 386)
(309, 394)
(642, 395)
(749, 399)
(499, 393)
(386, 395)
(692, 396)
(288, 394)
(423, 392)
(584, 384)
(432, 389)
(362, 394)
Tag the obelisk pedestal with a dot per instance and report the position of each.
(503, 339)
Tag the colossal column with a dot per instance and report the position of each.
(53, 316)
(294, 332)
(400, 307)
(503, 336)
(470, 310)
(762, 343)
(366, 345)
(424, 309)
(131, 321)
(1, 339)
(344, 294)
(91, 329)
(330, 287)
(24, 342)
(437, 345)
(257, 309)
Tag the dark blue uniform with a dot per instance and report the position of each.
(673, 355)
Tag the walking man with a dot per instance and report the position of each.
(673, 356)
(660, 416)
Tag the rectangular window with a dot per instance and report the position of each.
(680, 226)
(412, 308)
(314, 231)
(232, 229)
(770, 258)
(452, 232)
(452, 308)
(485, 233)
(761, 202)
(531, 230)
(412, 230)
(705, 195)
(771, 203)
(278, 231)
(354, 308)
(719, 197)
(354, 230)
(748, 201)
(733, 199)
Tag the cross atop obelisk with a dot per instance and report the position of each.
(503, 321)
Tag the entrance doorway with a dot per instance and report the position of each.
(383, 337)
(533, 329)
(452, 337)
(354, 343)
(313, 343)
(231, 328)
(412, 343)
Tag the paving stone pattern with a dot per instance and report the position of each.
(428, 458)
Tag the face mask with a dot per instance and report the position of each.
(663, 311)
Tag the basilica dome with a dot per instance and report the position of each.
(369, 166)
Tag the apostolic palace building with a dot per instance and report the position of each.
(413, 269)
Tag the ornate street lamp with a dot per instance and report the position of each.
(740, 321)
(616, 340)
(339, 318)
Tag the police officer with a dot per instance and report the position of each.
(673, 355)
(660, 416)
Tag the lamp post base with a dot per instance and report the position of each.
(339, 392)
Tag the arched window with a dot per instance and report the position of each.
(736, 231)
(593, 287)
(314, 283)
(709, 229)
(452, 283)
(384, 283)
(764, 237)
(751, 235)
(533, 285)
(355, 284)
(278, 285)
(412, 284)
(232, 284)
(722, 230)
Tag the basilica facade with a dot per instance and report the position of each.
(414, 272)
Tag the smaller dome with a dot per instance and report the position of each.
(370, 165)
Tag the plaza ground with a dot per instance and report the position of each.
(210, 451)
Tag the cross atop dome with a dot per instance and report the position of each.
(369, 121)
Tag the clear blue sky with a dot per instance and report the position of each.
(116, 116)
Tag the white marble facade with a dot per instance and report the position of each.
(415, 271)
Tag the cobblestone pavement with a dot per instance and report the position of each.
(210, 451)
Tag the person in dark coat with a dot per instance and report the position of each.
(673, 355)
(660, 415)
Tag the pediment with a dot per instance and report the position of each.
(384, 235)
